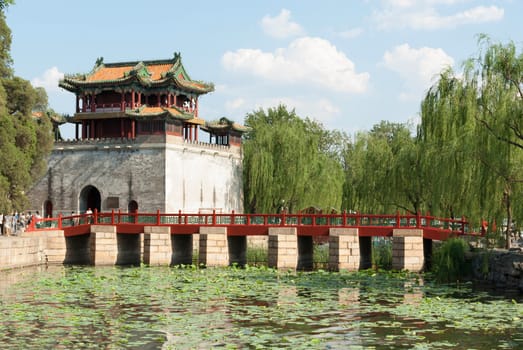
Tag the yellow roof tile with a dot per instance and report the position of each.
(109, 73)
(113, 73)
(157, 70)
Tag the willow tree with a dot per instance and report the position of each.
(472, 132)
(285, 164)
(499, 69)
(382, 171)
(447, 138)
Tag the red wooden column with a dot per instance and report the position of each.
(132, 99)
(133, 129)
(84, 130)
(122, 102)
(77, 104)
(84, 103)
(93, 103)
(139, 98)
(76, 125)
(92, 131)
(196, 108)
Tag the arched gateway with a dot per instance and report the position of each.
(90, 198)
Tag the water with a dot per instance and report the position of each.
(170, 308)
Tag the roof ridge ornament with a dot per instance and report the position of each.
(99, 61)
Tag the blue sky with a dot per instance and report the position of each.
(348, 64)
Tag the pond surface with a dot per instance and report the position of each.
(257, 308)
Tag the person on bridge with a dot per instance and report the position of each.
(484, 227)
(89, 213)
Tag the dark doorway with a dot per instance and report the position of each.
(48, 209)
(132, 207)
(90, 199)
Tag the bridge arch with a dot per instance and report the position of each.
(90, 198)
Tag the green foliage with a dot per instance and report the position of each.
(382, 253)
(471, 132)
(5, 3)
(290, 163)
(256, 255)
(255, 307)
(25, 141)
(382, 171)
(320, 256)
(449, 263)
(467, 156)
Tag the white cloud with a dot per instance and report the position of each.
(418, 67)
(235, 104)
(351, 33)
(48, 80)
(307, 60)
(427, 17)
(281, 26)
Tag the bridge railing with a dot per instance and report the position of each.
(457, 226)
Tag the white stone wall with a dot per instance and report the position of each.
(158, 175)
(201, 177)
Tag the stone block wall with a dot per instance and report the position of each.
(119, 169)
(407, 250)
(163, 174)
(283, 248)
(103, 245)
(20, 251)
(52, 245)
(214, 250)
(344, 249)
(157, 247)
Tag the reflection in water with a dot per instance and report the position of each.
(155, 308)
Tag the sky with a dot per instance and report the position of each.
(347, 64)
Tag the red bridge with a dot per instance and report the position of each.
(116, 237)
(369, 225)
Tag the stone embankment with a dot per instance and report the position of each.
(30, 250)
(499, 269)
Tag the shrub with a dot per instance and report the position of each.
(448, 262)
(321, 256)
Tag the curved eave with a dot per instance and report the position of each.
(183, 85)
(74, 85)
(84, 83)
(196, 121)
(67, 86)
(225, 124)
(220, 128)
(171, 113)
(78, 117)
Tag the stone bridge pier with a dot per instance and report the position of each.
(286, 250)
